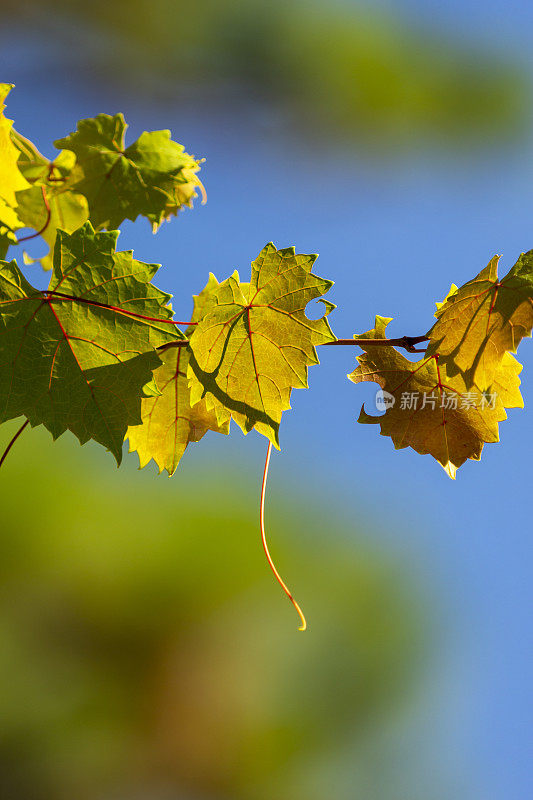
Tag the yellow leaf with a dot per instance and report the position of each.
(11, 178)
(256, 343)
(430, 410)
(486, 317)
(169, 422)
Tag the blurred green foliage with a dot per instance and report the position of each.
(334, 70)
(146, 651)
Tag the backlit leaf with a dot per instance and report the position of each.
(72, 365)
(431, 411)
(482, 320)
(11, 178)
(68, 211)
(153, 177)
(169, 422)
(256, 343)
(33, 165)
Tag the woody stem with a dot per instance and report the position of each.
(407, 342)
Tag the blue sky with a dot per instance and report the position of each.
(392, 239)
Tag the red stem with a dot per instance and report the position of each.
(279, 579)
(50, 292)
(13, 440)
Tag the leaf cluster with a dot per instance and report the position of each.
(99, 352)
(449, 404)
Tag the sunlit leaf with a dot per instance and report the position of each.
(8, 216)
(486, 317)
(169, 422)
(11, 178)
(256, 343)
(153, 177)
(66, 211)
(69, 364)
(431, 411)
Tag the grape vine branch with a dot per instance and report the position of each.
(100, 354)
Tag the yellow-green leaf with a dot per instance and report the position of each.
(486, 317)
(430, 410)
(256, 342)
(153, 177)
(49, 204)
(67, 211)
(169, 422)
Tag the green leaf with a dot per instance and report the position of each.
(430, 410)
(169, 422)
(66, 211)
(478, 323)
(153, 177)
(49, 204)
(71, 363)
(256, 343)
(33, 165)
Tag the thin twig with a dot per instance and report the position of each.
(407, 342)
(279, 579)
(13, 440)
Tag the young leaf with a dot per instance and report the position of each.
(77, 357)
(169, 422)
(49, 204)
(11, 178)
(46, 204)
(431, 411)
(33, 165)
(482, 320)
(49, 211)
(256, 343)
(38, 169)
(153, 177)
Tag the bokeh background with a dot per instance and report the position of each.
(146, 653)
